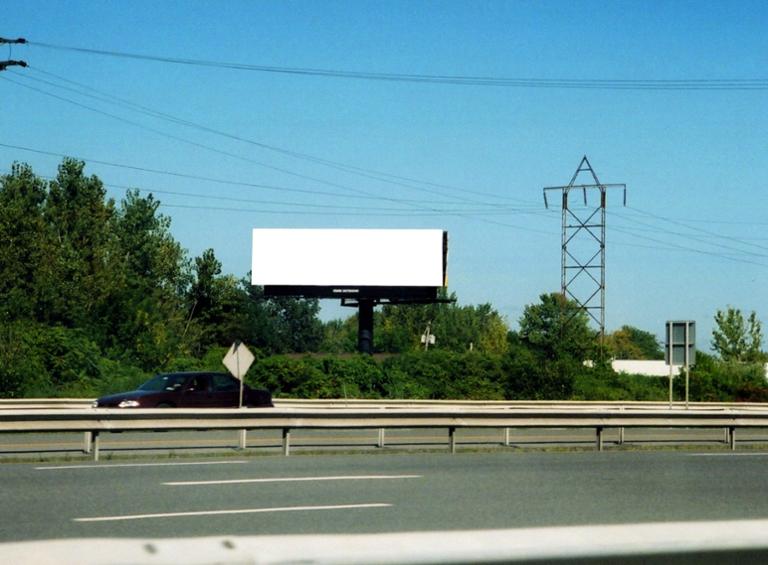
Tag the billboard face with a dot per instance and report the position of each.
(342, 260)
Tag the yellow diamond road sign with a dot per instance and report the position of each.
(238, 359)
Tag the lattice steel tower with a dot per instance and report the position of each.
(583, 243)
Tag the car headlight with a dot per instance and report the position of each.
(95, 404)
(128, 404)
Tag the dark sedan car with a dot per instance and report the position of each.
(188, 390)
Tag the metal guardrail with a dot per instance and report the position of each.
(39, 403)
(95, 420)
(73, 403)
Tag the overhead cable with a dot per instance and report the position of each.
(465, 80)
(380, 176)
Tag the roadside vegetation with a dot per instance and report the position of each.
(96, 296)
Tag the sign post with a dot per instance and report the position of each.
(238, 360)
(428, 338)
(680, 350)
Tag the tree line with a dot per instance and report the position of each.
(97, 295)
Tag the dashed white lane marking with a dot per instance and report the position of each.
(179, 464)
(294, 479)
(227, 512)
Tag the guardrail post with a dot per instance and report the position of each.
(87, 439)
(381, 438)
(243, 439)
(732, 431)
(621, 429)
(726, 436)
(95, 446)
(599, 433)
(452, 439)
(506, 437)
(286, 441)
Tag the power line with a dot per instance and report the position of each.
(702, 240)
(668, 244)
(193, 143)
(379, 176)
(427, 207)
(466, 80)
(193, 177)
(239, 157)
(365, 210)
(700, 230)
(391, 211)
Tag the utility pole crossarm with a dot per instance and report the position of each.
(11, 63)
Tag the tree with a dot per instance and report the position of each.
(145, 316)
(549, 350)
(280, 324)
(629, 342)
(557, 329)
(72, 281)
(340, 336)
(215, 303)
(23, 235)
(457, 328)
(737, 339)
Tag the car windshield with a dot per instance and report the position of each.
(164, 382)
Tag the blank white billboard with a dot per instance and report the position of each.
(348, 257)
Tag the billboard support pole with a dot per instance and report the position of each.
(365, 327)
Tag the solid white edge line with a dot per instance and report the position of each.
(293, 479)
(226, 512)
(116, 465)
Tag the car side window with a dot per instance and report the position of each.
(199, 384)
(224, 383)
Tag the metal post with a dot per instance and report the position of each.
(87, 440)
(381, 438)
(286, 441)
(621, 436)
(671, 367)
(95, 446)
(506, 437)
(243, 439)
(239, 376)
(732, 431)
(687, 372)
(452, 439)
(599, 433)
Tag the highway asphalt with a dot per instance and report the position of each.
(368, 493)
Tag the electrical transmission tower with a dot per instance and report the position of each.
(583, 243)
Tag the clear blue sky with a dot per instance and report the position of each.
(694, 159)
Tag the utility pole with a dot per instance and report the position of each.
(582, 273)
(428, 338)
(12, 62)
